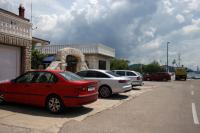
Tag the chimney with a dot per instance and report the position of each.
(21, 11)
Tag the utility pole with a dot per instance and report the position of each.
(179, 60)
(31, 12)
(167, 56)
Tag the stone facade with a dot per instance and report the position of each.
(93, 53)
(61, 56)
(15, 31)
(26, 46)
(93, 60)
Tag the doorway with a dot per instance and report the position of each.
(71, 63)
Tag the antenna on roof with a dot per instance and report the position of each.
(31, 11)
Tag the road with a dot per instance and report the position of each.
(172, 107)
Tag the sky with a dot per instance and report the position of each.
(137, 29)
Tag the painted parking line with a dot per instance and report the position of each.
(192, 93)
(194, 114)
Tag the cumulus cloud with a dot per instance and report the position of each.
(180, 18)
(141, 27)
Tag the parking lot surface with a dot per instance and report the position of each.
(171, 107)
(21, 118)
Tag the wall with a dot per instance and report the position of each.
(93, 60)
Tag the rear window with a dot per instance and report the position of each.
(130, 74)
(82, 73)
(70, 76)
(112, 73)
(121, 73)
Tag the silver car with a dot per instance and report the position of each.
(135, 77)
(108, 82)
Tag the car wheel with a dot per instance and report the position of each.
(104, 91)
(164, 79)
(1, 99)
(54, 104)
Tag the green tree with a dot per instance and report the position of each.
(119, 64)
(153, 67)
(137, 67)
(36, 59)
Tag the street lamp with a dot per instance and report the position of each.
(167, 56)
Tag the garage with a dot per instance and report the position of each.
(10, 62)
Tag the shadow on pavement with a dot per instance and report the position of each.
(37, 111)
(117, 97)
(137, 89)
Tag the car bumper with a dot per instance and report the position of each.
(123, 89)
(76, 101)
(137, 83)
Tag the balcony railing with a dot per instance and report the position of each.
(15, 26)
(85, 49)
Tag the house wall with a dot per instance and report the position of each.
(93, 60)
(16, 31)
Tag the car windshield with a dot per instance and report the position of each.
(112, 73)
(139, 73)
(70, 76)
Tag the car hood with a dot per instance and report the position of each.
(3, 82)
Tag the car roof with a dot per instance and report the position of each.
(47, 70)
(99, 70)
(126, 71)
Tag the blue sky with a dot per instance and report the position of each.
(138, 30)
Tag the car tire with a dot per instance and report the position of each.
(54, 104)
(1, 99)
(104, 91)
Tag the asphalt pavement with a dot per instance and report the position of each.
(172, 107)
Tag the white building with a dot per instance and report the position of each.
(97, 56)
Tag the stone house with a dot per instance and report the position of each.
(96, 56)
(15, 44)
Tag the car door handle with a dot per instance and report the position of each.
(27, 85)
(47, 86)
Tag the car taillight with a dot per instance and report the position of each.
(123, 81)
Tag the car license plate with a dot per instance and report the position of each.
(91, 88)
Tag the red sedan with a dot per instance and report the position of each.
(159, 76)
(49, 88)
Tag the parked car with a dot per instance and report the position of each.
(108, 82)
(49, 88)
(136, 77)
(159, 76)
(180, 73)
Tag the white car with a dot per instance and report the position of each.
(108, 82)
(135, 77)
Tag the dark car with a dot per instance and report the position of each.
(159, 76)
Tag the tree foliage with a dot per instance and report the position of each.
(153, 67)
(149, 68)
(36, 59)
(119, 64)
(137, 67)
